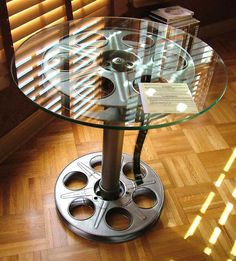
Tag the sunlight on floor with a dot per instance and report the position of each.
(224, 216)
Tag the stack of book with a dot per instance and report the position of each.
(182, 18)
(176, 16)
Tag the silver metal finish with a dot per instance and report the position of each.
(92, 77)
(112, 152)
(120, 57)
(97, 226)
(109, 194)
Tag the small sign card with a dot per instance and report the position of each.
(166, 98)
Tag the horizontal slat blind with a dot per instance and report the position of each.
(35, 11)
(100, 12)
(31, 72)
(92, 8)
(29, 16)
(77, 4)
(19, 42)
(37, 23)
(17, 6)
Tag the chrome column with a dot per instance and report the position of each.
(111, 164)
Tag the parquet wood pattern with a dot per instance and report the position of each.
(190, 159)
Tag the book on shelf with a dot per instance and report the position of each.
(191, 26)
(186, 22)
(172, 13)
(179, 24)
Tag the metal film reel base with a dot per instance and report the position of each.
(97, 226)
(109, 194)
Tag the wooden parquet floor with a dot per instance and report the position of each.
(195, 160)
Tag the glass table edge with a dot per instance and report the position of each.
(116, 127)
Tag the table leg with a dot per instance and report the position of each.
(111, 164)
(109, 205)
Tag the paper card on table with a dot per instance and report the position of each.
(166, 98)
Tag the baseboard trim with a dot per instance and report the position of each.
(218, 28)
(23, 132)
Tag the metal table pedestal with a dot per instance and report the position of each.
(108, 206)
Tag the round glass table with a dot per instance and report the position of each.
(116, 74)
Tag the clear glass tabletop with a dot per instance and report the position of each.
(89, 71)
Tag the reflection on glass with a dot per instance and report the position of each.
(150, 92)
(25, 82)
(124, 51)
(23, 61)
(137, 40)
(92, 87)
(181, 107)
(91, 40)
(24, 72)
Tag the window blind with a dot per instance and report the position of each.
(90, 8)
(28, 17)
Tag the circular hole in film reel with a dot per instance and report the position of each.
(96, 163)
(118, 218)
(173, 62)
(60, 57)
(128, 171)
(82, 209)
(144, 198)
(75, 180)
(63, 63)
(136, 40)
(92, 88)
